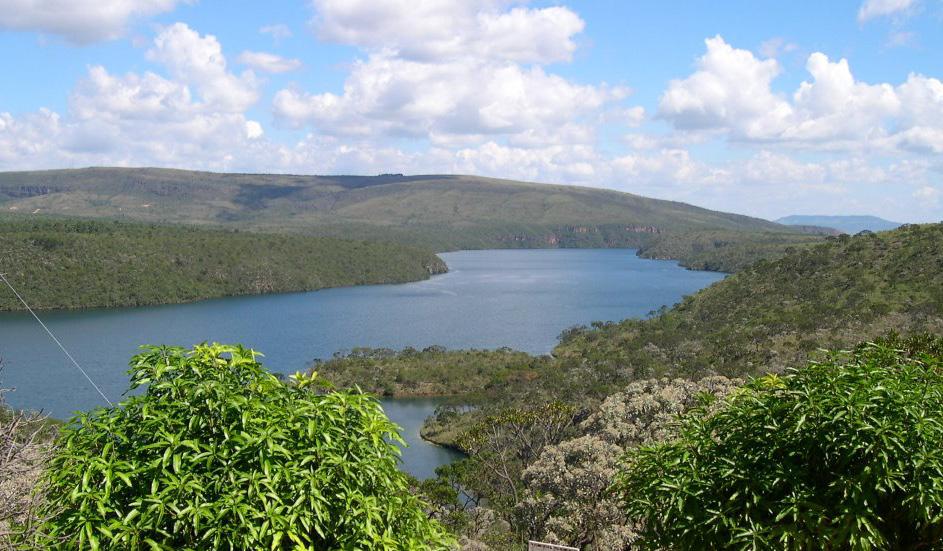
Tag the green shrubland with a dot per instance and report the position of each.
(80, 264)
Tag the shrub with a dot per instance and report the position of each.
(565, 499)
(218, 454)
(846, 453)
(24, 439)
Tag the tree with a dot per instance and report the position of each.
(846, 453)
(565, 498)
(218, 454)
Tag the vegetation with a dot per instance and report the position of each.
(80, 264)
(841, 454)
(219, 454)
(776, 314)
(772, 316)
(434, 371)
(565, 497)
(437, 212)
(24, 442)
(725, 251)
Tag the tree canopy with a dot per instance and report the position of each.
(846, 453)
(216, 453)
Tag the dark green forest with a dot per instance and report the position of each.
(84, 263)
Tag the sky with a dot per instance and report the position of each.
(761, 108)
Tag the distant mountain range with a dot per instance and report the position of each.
(441, 212)
(847, 224)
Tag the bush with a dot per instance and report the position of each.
(24, 441)
(846, 453)
(218, 454)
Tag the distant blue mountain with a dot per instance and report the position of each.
(847, 224)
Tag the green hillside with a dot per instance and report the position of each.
(725, 250)
(435, 211)
(80, 264)
(775, 314)
(545, 436)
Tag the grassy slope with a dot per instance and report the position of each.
(439, 212)
(78, 264)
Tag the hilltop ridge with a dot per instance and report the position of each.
(442, 212)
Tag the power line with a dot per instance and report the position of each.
(57, 341)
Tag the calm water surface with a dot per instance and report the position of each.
(517, 298)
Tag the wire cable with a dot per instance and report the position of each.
(57, 341)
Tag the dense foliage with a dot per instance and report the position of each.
(565, 499)
(434, 371)
(776, 314)
(846, 453)
(79, 264)
(219, 454)
(724, 251)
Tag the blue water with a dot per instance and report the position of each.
(517, 298)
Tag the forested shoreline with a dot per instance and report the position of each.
(74, 264)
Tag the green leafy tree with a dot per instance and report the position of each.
(219, 454)
(846, 453)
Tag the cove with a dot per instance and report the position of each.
(520, 298)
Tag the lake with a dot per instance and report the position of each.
(522, 299)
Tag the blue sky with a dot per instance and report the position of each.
(766, 108)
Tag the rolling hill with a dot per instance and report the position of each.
(435, 211)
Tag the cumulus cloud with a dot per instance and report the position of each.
(270, 63)
(731, 93)
(394, 96)
(456, 74)
(433, 30)
(730, 89)
(144, 118)
(199, 61)
(871, 9)
(78, 21)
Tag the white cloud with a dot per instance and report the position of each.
(428, 30)
(456, 74)
(30, 137)
(871, 9)
(730, 89)
(394, 96)
(269, 63)
(145, 118)
(731, 93)
(78, 21)
(836, 106)
(254, 130)
(199, 61)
